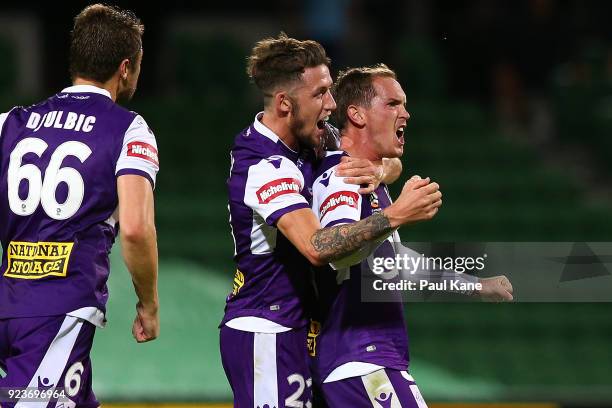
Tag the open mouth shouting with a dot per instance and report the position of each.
(321, 122)
(399, 132)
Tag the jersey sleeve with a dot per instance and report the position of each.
(334, 201)
(3, 117)
(273, 188)
(139, 152)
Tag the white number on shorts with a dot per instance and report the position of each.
(293, 401)
(73, 375)
(43, 192)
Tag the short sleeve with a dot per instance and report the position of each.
(3, 117)
(334, 201)
(139, 152)
(273, 188)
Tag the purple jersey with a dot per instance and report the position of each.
(267, 180)
(351, 330)
(59, 163)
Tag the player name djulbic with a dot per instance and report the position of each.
(61, 120)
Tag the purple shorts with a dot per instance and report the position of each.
(385, 388)
(49, 356)
(267, 370)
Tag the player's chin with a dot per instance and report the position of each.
(395, 152)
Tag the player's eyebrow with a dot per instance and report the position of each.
(321, 89)
(396, 101)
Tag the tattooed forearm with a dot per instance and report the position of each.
(336, 242)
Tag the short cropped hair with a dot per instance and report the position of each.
(277, 62)
(354, 86)
(102, 37)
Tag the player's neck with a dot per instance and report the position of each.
(358, 147)
(280, 129)
(109, 86)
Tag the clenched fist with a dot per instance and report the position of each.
(419, 200)
(496, 289)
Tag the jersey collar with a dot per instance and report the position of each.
(267, 132)
(87, 89)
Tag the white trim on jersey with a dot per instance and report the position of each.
(139, 151)
(351, 369)
(265, 390)
(87, 89)
(3, 117)
(263, 236)
(112, 220)
(416, 393)
(263, 129)
(92, 314)
(256, 325)
(54, 362)
(266, 131)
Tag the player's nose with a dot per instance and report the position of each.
(330, 102)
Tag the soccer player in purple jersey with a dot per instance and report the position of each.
(360, 350)
(263, 332)
(72, 169)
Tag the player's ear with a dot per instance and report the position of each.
(355, 115)
(283, 102)
(124, 69)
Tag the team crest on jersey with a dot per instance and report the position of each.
(37, 260)
(144, 151)
(337, 199)
(238, 282)
(374, 202)
(275, 188)
(311, 341)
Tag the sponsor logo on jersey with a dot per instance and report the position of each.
(37, 260)
(144, 151)
(338, 199)
(273, 189)
(311, 340)
(325, 178)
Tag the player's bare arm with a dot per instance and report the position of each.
(139, 247)
(418, 201)
(335, 242)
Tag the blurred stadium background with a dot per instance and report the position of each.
(511, 105)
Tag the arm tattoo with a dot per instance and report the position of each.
(336, 242)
